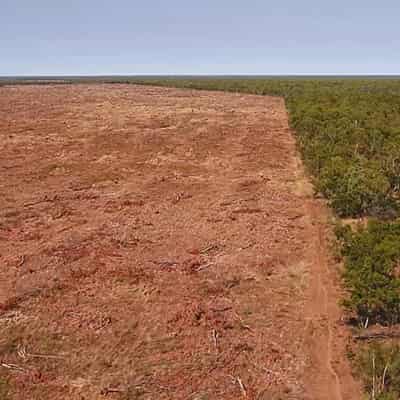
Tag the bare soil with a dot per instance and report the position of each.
(161, 244)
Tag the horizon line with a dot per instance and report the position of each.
(6, 76)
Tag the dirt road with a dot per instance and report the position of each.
(161, 244)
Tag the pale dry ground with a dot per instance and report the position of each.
(161, 244)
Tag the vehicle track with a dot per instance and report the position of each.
(323, 300)
(329, 361)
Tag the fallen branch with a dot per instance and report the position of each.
(242, 388)
(221, 309)
(13, 367)
(215, 338)
(21, 261)
(106, 391)
(22, 353)
(50, 356)
(44, 200)
(240, 383)
(382, 334)
(209, 248)
(165, 264)
(202, 267)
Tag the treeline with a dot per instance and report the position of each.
(348, 131)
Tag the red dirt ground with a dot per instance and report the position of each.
(161, 244)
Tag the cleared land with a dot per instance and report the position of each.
(161, 244)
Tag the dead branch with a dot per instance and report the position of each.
(22, 353)
(44, 200)
(106, 391)
(209, 248)
(215, 338)
(240, 383)
(384, 376)
(381, 334)
(242, 388)
(202, 267)
(221, 309)
(373, 376)
(165, 264)
(50, 356)
(12, 367)
(21, 261)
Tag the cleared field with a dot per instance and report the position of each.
(161, 244)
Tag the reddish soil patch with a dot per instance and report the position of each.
(159, 244)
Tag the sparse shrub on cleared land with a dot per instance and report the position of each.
(379, 367)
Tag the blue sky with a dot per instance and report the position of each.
(53, 37)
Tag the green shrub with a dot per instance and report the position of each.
(371, 275)
(355, 188)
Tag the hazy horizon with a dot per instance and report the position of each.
(171, 75)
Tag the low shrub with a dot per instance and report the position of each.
(372, 271)
(379, 367)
